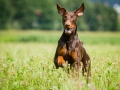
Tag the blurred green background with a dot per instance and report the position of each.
(99, 15)
(30, 30)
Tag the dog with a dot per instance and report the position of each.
(70, 48)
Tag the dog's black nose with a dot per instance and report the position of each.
(67, 23)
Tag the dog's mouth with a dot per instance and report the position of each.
(68, 31)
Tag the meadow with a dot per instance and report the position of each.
(26, 61)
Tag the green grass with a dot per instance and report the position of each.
(29, 65)
(53, 36)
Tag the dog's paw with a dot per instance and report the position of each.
(60, 61)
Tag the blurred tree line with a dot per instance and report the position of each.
(42, 14)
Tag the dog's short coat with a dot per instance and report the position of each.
(70, 48)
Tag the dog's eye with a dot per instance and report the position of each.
(72, 16)
(65, 17)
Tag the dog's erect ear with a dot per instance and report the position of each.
(80, 10)
(61, 10)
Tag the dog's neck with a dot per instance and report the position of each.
(71, 37)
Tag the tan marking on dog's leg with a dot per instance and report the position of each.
(60, 61)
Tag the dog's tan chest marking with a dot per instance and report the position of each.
(62, 51)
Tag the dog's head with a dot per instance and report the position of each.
(70, 18)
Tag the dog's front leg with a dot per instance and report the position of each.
(58, 60)
(76, 60)
(59, 55)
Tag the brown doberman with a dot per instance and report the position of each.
(70, 48)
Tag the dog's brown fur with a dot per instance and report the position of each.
(70, 48)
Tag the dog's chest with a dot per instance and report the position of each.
(67, 49)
